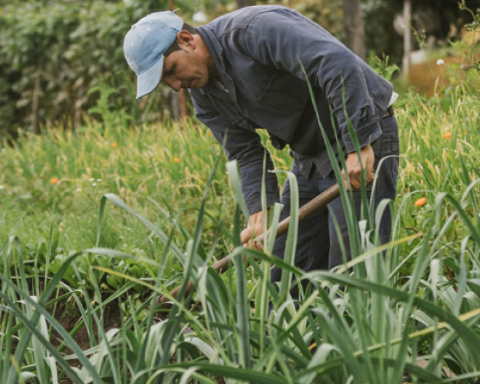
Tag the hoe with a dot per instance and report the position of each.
(314, 205)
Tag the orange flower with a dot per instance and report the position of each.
(421, 202)
(176, 159)
(209, 133)
(447, 135)
(115, 145)
(54, 180)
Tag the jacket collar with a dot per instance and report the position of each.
(216, 50)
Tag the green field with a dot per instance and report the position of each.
(95, 224)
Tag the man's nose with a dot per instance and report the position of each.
(175, 84)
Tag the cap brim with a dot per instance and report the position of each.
(148, 80)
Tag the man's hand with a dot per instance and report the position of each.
(355, 170)
(254, 228)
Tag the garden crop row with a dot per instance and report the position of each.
(109, 217)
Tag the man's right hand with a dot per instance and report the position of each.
(254, 228)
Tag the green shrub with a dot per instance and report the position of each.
(53, 53)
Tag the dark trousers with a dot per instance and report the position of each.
(318, 245)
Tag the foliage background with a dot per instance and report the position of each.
(59, 59)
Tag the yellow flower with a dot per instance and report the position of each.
(54, 180)
(447, 135)
(176, 159)
(115, 145)
(421, 202)
(209, 133)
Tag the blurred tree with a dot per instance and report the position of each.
(407, 36)
(53, 53)
(243, 3)
(327, 13)
(380, 35)
(354, 32)
(441, 20)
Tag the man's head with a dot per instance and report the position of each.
(161, 47)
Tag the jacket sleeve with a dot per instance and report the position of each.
(283, 37)
(245, 146)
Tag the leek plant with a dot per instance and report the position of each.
(373, 325)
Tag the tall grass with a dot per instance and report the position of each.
(410, 312)
(161, 171)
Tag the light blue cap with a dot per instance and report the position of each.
(144, 46)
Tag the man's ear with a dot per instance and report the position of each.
(186, 39)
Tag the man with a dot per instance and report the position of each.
(243, 72)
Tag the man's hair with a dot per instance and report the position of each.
(174, 47)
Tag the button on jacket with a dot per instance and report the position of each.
(257, 51)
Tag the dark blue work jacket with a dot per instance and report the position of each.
(258, 51)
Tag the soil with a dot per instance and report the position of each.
(68, 315)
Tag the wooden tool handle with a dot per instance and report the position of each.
(306, 210)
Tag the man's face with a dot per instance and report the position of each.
(184, 69)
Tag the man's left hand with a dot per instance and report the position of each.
(354, 168)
